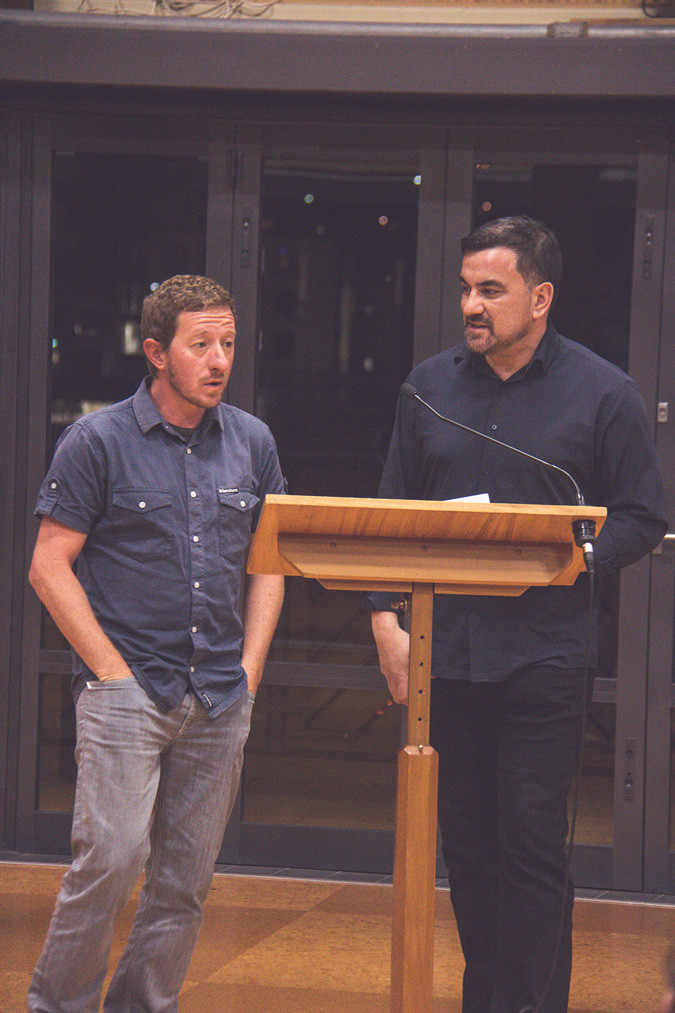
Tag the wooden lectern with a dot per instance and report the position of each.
(421, 548)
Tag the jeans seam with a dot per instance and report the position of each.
(151, 885)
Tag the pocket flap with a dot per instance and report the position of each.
(141, 500)
(239, 499)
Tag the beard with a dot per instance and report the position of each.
(484, 340)
(198, 398)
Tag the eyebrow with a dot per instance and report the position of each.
(484, 282)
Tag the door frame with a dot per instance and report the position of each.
(47, 832)
(619, 867)
(659, 861)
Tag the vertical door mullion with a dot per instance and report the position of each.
(631, 709)
(245, 247)
(458, 218)
(431, 238)
(220, 205)
(658, 870)
(234, 227)
(13, 258)
(37, 380)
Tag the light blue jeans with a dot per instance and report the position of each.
(153, 789)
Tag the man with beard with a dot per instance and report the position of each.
(507, 673)
(154, 499)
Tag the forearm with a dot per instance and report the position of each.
(60, 591)
(626, 537)
(263, 599)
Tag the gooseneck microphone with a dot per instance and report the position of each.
(584, 530)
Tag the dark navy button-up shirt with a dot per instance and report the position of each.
(168, 522)
(566, 406)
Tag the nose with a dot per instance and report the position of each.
(472, 304)
(218, 357)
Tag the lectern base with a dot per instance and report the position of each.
(412, 954)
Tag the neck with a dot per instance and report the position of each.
(175, 409)
(507, 361)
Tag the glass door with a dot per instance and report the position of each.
(336, 221)
(119, 217)
(594, 202)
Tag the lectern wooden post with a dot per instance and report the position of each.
(421, 548)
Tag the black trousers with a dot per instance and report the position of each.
(508, 752)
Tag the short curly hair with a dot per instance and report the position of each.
(184, 293)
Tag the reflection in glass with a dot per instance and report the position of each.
(672, 781)
(335, 322)
(596, 789)
(337, 273)
(56, 762)
(335, 336)
(322, 758)
(121, 223)
(591, 208)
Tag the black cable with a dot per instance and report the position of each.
(585, 703)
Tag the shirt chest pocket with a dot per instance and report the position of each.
(235, 522)
(142, 523)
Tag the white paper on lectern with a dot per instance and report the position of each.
(480, 497)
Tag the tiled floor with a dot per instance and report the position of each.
(283, 944)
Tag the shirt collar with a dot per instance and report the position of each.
(148, 415)
(544, 354)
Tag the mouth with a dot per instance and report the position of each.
(476, 328)
(476, 325)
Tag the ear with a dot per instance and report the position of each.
(154, 352)
(542, 297)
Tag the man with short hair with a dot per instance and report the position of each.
(507, 673)
(154, 500)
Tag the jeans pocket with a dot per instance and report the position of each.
(98, 684)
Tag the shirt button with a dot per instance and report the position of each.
(195, 538)
(188, 451)
(192, 668)
(195, 629)
(193, 493)
(242, 502)
(142, 504)
(52, 485)
(196, 584)
(494, 427)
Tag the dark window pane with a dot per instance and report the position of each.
(120, 223)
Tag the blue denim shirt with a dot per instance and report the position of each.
(168, 522)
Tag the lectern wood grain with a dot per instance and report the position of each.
(412, 948)
(477, 548)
